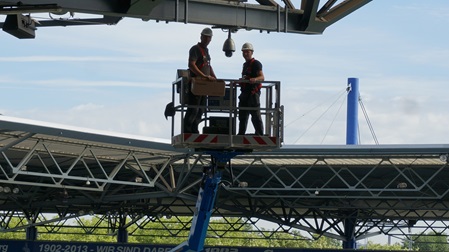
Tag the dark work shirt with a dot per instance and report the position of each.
(201, 57)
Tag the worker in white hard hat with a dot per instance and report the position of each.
(250, 91)
(199, 66)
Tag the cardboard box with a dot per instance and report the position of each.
(205, 87)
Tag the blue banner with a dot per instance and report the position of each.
(43, 246)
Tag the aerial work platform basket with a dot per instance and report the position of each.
(220, 120)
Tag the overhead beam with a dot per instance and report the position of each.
(266, 16)
(308, 19)
(341, 10)
(106, 20)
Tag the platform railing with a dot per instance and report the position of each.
(221, 112)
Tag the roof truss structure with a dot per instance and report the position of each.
(71, 172)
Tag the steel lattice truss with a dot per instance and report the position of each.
(68, 172)
(309, 17)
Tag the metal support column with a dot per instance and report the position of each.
(350, 224)
(31, 233)
(122, 235)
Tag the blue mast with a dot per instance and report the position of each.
(350, 221)
(352, 113)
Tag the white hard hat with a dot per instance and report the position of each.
(207, 32)
(247, 46)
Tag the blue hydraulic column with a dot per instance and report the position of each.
(352, 113)
(204, 205)
(204, 208)
(352, 129)
(205, 202)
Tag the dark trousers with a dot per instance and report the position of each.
(193, 115)
(247, 99)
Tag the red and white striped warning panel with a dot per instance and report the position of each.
(259, 140)
(220, 141)
(200, 138)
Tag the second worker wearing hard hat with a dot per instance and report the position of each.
(199, 66)
(250, 91)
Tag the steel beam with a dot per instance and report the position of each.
(266, 16)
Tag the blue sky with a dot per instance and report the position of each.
(118, 78)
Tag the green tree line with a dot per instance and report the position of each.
(220, 233)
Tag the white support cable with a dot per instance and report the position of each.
(368, 121)
(335, 101)
(333, 120)
(317, 106)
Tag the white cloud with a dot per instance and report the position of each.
(85, 59)
(87, 107)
